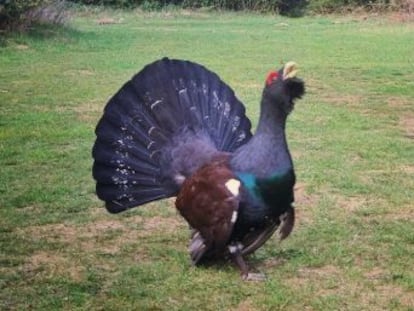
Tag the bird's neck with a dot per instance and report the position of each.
(267, 153)
(264, 164)
(272, 119)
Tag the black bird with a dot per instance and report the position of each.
(176, 129)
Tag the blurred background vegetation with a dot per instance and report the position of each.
(20, 14)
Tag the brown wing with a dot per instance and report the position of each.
(209, 206)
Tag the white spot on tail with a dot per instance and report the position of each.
(152, 128)
(149, 146)
(154, 104)
(233, 185)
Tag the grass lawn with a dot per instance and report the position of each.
(351, 137)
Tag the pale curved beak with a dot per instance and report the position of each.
(290, 70)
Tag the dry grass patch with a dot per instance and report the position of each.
(319, 273)
(408, 169)
(407, 124)
(342, 100)
(100, 244)
(386, 294)
(326, 279)
(245, 305)
(89, 112)
(398, 102)
(79, 73)
(383, 297)
(380, 292)
(370, 293)
(351, 204)
(304, 203)
(405, 212)
(162, 224)
(46, 265)
(94, 235)
(371, 209)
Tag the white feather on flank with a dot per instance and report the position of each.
(233, 185)
(234, 217)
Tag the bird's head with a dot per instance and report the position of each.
(283, 87)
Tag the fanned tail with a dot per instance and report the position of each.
(163, 124)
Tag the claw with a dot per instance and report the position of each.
(236, 254)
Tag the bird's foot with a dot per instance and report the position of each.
(236, 252)
(254, 277)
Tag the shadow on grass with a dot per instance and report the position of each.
(261, 257)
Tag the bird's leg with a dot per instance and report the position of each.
(237, 257)
(197, 247)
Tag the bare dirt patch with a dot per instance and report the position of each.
(403, 213)
(390, 293)
(327, 280)
(245, 305)
(319, 272)
(89, 112)
(99, 237)
(51, 264)
(74, 247)
(381, 297)
(407, 124)
(304, 203)
(382, 294)
(79, 72)
(70, 233)
(93, 235)
(376, 273)
(349, 100)
(409, 169)
(370, 293)
(162, 224)
(398, 102)
(372, 209)
(350, 204)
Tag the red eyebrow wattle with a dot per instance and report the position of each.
(271, 77)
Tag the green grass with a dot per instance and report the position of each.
(351, 137)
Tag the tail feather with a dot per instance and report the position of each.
(105, 176)
(128, 197)
(167, 120)
(160, 98)
(115, 148)
(120, 161)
